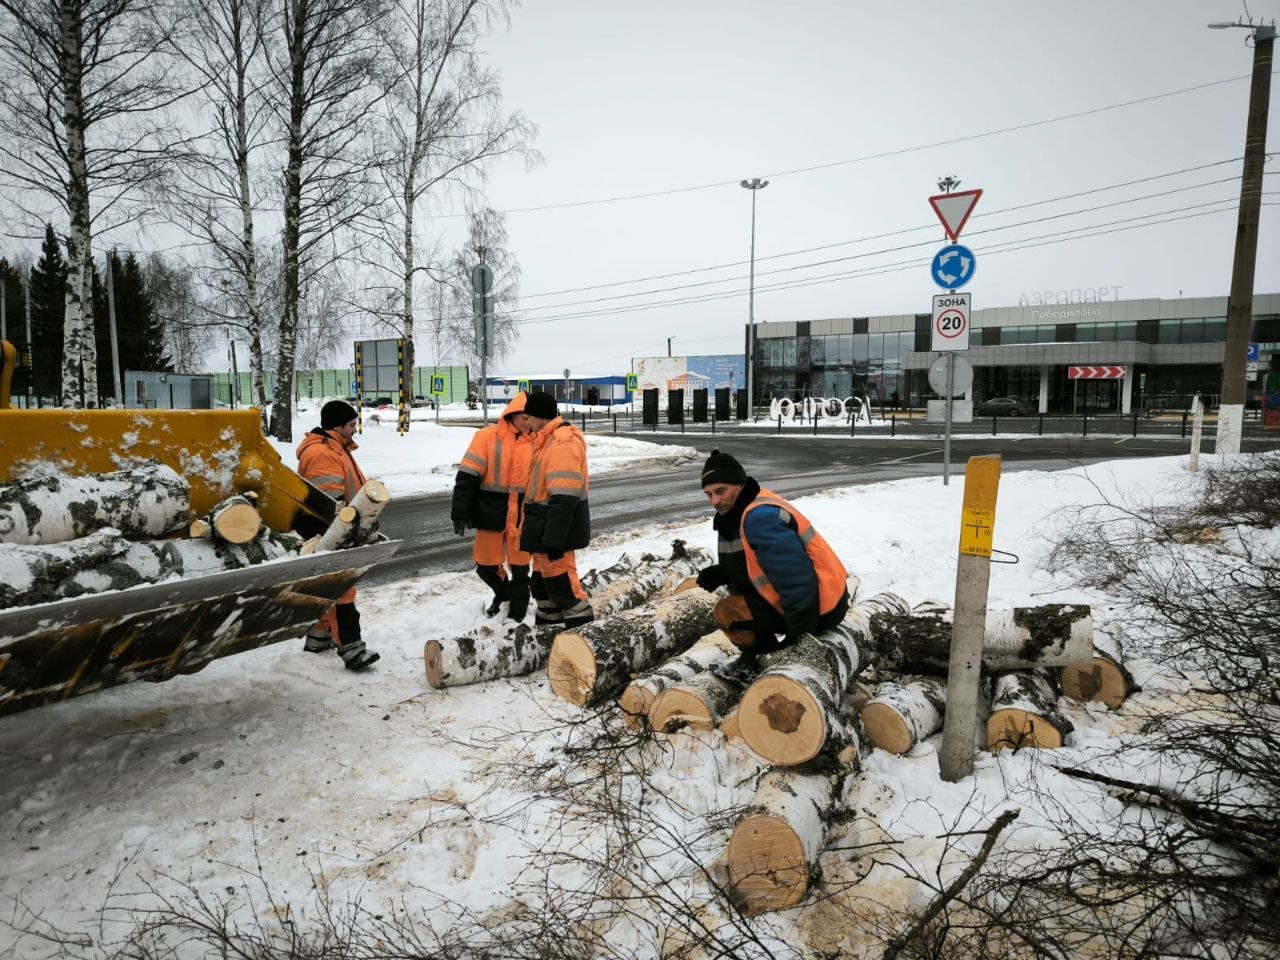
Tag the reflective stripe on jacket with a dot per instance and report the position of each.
(556, 511)
(325, 459)
(495, 465)
(830, 572)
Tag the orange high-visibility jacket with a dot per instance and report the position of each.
(495, 465)
(556, 513)
(831, 574)
(325, 459)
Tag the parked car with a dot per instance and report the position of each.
(421, 401)
(1000, 407)
(377, 401)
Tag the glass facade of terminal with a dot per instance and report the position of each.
(1165, 359)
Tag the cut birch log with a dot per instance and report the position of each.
(903, 712)
(1024, 712)
(773, 850)
(1023, 638)
(596, 661)
(1105, 679)
(485, 654)
(198, 558)
(729, 725)
(795, 709)
(235, 520)
(357, 521)
(697, 703)
(149, 500)
(640, 693)
(199, 529)
(104, 560)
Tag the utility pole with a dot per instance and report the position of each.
(1240, 301)
(235, 374)
(946, 185)
(115, 340)
(755, 184)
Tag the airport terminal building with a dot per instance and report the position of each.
(1169, 350)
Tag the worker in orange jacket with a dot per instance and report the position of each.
(557, 518)
(783, 577)
(324, 458)
(487, 493)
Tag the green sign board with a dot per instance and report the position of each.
(522, 385)
(437, 385)
(633, 381)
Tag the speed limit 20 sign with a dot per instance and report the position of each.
(951, 321)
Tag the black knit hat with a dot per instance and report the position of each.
(336, 413)
(722, 468)
(541, 405)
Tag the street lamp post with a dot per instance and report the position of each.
(754, 184)
(1240, 301)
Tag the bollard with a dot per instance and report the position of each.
(682, 424)
(815, 426)
(993, 426)
(1184, 424)
(713, 425)
(1040, 431)
(779, 423)
(1086, 425)
(615, 423)
(1135, 424)
(853, 424)
(893, 425)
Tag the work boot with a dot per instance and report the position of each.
(579, 615)
(356, 657)
(518, 594)
(743, 669)
(492, 576)
(317, 642)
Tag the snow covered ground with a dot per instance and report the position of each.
(278, 770)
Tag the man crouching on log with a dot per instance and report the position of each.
(783, 578)
(557, 519)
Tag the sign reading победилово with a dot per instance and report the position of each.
(950, 330)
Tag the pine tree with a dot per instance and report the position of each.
(48, 292)
(136, 316)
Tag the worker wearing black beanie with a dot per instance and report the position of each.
(783, 577)
(337, 413)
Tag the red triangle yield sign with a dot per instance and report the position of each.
(953, 210)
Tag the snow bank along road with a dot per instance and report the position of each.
(790, 465)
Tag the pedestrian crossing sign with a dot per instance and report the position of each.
(437, 385)
(633, 381)
(522, 385)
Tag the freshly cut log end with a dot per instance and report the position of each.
(571, 669)
(768, 868)
(431, 659)
(781, 721)
(199, 529)
(634, 703)
(729, 726)
(697, 703)
(885, 728)
(1101, 681)
(236, 520)
(1020, 729)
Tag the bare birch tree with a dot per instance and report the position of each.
(82, 91)
(324, 74)
(442, 121)
(487, 241)
(224, 44)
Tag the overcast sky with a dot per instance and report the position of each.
(839, 104)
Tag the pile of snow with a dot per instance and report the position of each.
(282, 764)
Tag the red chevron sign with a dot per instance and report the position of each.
(1096, 373)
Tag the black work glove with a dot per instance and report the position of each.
(460, 527)
(555, 554)
(711, 577)
(799, 622)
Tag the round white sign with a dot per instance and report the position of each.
(961, 380)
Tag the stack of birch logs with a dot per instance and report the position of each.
(621, 589)
(877, 680)
(68, 536)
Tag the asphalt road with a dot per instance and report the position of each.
(792, 465)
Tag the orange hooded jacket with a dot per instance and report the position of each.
(325, 460)
(496, 463)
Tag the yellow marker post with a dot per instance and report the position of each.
(973, 575)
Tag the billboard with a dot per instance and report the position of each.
(688, 374)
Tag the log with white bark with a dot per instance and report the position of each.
(700, 702)
(198, 558)
(596, 661)
(773, 850)
(638, 697)
(145, 501)
(235, 520)
(104, 560)
(1105, 679)
(199, 529)
(903, 712)
(1023, 638)
(487, 654)
(795, 710)
(357, 521)
(1024, 712)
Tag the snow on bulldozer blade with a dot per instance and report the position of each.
(60, 650)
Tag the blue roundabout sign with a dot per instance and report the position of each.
(953, 266)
